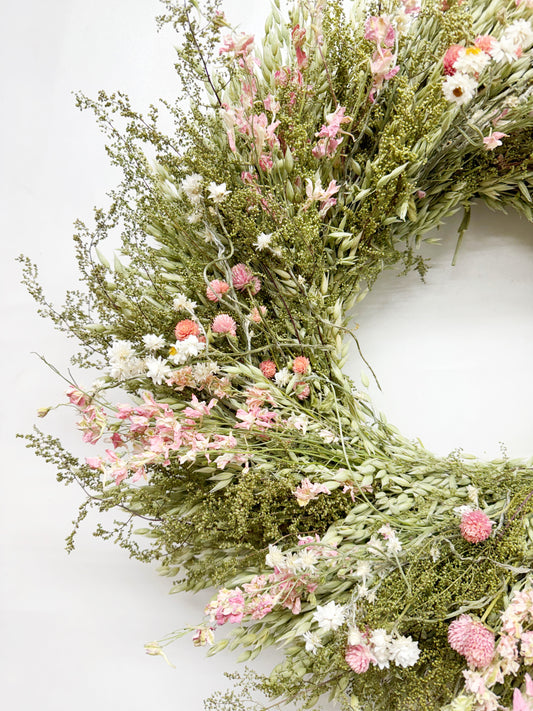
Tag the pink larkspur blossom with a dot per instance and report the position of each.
(77, 397)
(359, 657)
(216, 289)
(307, 490)
(298, 40)
(223, 323)
(380, 30)
(492, 141)
(239, 44)
(475, 526)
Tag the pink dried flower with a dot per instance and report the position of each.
(186, 328)
(300, 364)
(380, 30)
(257, 314)
(452, 53)
(473, 640)
(358, 657)
(268, 368)
(492, 141)
(77, 397)
(243, 277)
(476, 526)
(216, 288)
(306, 491)
(479, 647)
(302, 390)
(223, 323)
(486, 43)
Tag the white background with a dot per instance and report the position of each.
(453, 357)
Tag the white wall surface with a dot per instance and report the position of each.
(452, 355)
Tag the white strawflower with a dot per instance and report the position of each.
(182, 303)
(471, 60)
(204, 370)
(122, 361)
(192, 187)
(157, 369)
(506, 50)
(218, 193)
(282, 377)
(121, 351)
(329, 617)
(305, 561)
(153, 342)
(520, 32)
(404, 652)
(312, 642)
(263, 240)
(381, 641)
(183, 350)
(275, 558)
(355, 637)
(393, 544)
(459, 88)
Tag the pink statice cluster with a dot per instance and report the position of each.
(383, 65)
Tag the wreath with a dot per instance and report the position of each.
(222, 420)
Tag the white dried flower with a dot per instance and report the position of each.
(459, 88)
(328, 436)
(218, 193)
(282, 377)
(153, 342)
(520, 32)
(182, 351)
(157, 369)
(192, 187)
(263, 240)
(182, 303)
(381, 641)
(471, 60)
(404, 652)
(329, 617)
(275, 557)
(312, 642)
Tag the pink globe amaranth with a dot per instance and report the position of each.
(300, 364)
(358, 657)
(186, 328)
(242, 278)
(216, 288)
(479, 647)
(458, 633)
(475, 526)
(268, 368)
(223, 323)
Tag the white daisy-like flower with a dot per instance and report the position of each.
(393, 544)
(122, 361)
(520, 32)
(204, 370)
(153, 342)
(506, 50)
(218, 193)
(355, 637)
(282, 377)
(275, 558)
(459, 88)
(263, 240)
(182, 351)
(375, 544)
(157, 369)
(192, 187)
(381, 641)
(404, 652)
(182, 303)
(299, 422)
(312, 642)
(329, 617)
(471, 60)
(121, 351)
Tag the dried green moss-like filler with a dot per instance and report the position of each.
(302, 169)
